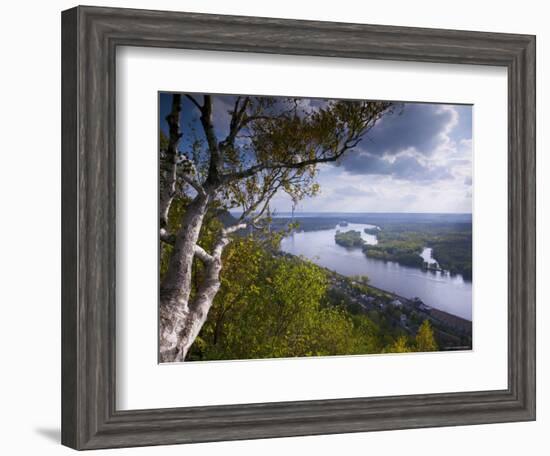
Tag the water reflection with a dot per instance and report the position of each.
(427, 257)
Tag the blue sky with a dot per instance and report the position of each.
(417, 159)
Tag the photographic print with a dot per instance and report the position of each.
(297, 227)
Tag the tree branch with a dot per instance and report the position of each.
(202, 254)
(236, 122)
(240, 119)
(228, 177)
(231, 229)
(357, 119)
(266, 195)
(223, 240)
(195, 102)
(166, 237)
(216, 162)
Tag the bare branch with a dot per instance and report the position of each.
(202, 254)
(195, 102)
(236, 123)
(216, 162)
(265, 197)
(288, 165)
(166, 237)
(193, 183)
(223, 240)
(266, 205)
(208, 127)
(231, 229)
(240, 118)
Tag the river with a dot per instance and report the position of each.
(437, 289)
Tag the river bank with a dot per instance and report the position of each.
(435, 315)
(401, 314)
(451, 332)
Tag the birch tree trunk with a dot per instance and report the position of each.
(181, 319)
(199, 307)
(204, 298)
(175, 289)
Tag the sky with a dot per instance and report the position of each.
(416, 159)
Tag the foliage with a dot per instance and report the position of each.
(403, 243)
(401, 345)
(404, 253)
(349, 238)
(374, 231)
(163, 141)
(272, 306)
(425, 340)
(454, 253)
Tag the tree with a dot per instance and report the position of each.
(271, 145)
(400, 345)
(271, 306)
(425, 340)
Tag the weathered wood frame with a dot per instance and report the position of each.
(90, 36)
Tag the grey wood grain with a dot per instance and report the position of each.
(69, 229)
(90, 36)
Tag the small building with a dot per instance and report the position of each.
(396, 303)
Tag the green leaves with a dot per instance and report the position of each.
(276, 144)
(425, 340)
(271, 306)
(401, 345)
(349, 239)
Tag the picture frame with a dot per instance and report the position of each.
(90, 36)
